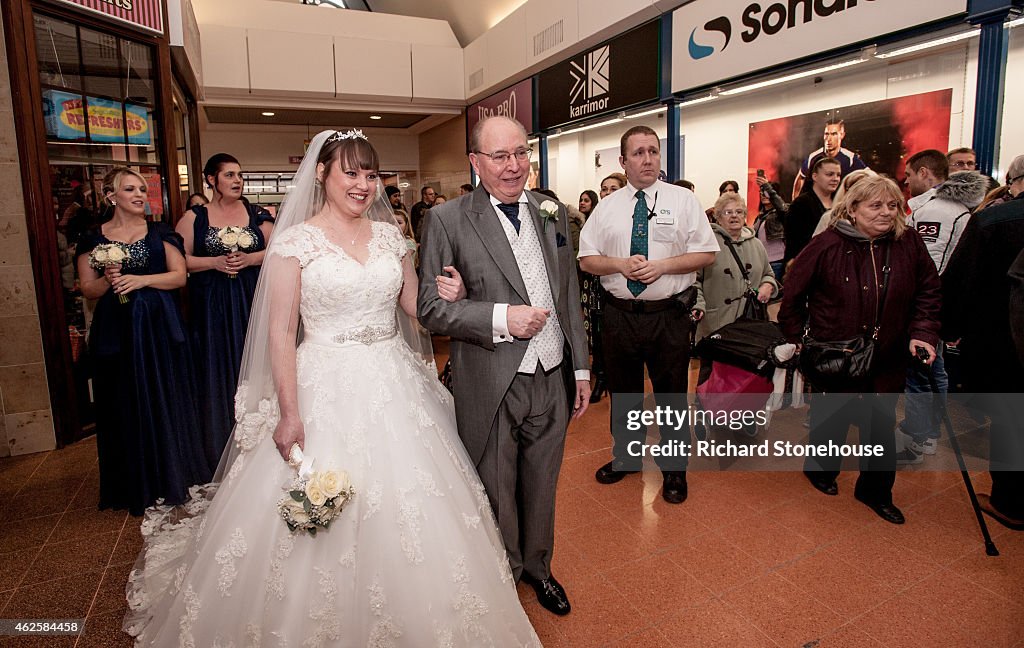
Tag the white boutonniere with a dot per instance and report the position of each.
(549, 210)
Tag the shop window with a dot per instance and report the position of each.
(98, 102)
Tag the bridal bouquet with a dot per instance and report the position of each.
(235, 238)
(315, 499)
(105, 255)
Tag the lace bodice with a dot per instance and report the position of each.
(339, 294)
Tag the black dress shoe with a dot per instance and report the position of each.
(550, 594)
(827, 486)
(607, 474)
(886, 511)
(599, 389)
(673, 488)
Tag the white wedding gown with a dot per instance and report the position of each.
(414, 559)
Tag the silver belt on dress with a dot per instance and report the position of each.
(364, 335)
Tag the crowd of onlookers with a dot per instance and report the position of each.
(848, 258)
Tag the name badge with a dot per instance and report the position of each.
(665, 220)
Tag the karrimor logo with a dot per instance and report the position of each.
(591, 79)
(720, 24)
(768, 21)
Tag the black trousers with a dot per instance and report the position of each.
(875, 415)
(661, 343)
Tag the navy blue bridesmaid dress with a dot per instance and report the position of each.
(147, 424)
(219, 308)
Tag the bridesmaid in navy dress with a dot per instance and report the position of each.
(147, 432)
(221, 285)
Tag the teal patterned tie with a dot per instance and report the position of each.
(638, 241)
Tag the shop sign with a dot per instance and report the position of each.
(144, 14)
(620, 73)
(65, 119)
(515, 103)
(714, 41)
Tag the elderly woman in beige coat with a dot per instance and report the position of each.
(721, 288)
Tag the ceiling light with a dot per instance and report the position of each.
(375, 117)
(653, 111)
(910, 49)
(267, 113)
(792, 77)
(699, 100)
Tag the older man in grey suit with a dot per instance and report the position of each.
(518, 350)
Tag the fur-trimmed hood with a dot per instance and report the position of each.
(965, 187)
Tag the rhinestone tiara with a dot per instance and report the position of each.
(349, 134)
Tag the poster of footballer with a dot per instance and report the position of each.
(879, 135)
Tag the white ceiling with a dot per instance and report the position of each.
(469, 19)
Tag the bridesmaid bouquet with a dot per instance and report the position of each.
(235, 238)
(105, 255)
(315, 499)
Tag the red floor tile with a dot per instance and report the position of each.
(782, 611)
(714, 625)
(847, 592)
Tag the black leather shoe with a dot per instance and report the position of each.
(673, 488)
(607, 474)
(550, 594)
(598, 391)
(829, 487)
(887, 511)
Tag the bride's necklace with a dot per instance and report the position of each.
(359, 228)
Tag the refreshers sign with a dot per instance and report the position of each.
(144, 14)
(715, 41)
(621, 73)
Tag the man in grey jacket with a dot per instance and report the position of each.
(940, 209)
(518, 349)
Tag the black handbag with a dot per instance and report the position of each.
(752, 306)
(825, 363)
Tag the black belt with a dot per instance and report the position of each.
(641, 306)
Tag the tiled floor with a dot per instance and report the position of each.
(749, 560)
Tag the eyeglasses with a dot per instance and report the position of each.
(964, 164)
(734, 212)
(501, 158)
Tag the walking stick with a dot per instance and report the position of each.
(990, 547)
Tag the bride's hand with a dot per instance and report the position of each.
(287, 433)
(451, 289)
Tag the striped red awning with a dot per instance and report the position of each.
(145, 14)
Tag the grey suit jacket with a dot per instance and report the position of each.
(466, 233)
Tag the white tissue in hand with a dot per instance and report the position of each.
(784, 352)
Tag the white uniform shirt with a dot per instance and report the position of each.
(678, 226)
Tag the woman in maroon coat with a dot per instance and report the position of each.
(832, 290)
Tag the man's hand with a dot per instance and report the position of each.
(579, 406)
(631, 265)
(526, 321)
(451, 289)
(649, 271)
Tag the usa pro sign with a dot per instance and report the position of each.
(714, 41)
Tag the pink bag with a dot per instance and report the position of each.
(730, 388)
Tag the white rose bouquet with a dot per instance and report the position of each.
(236, 238)
(315, 499)
(106, 255)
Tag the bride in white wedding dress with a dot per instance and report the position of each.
(414, 559)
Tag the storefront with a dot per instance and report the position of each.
(586, 102)
(94, 87)
(752, 85)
